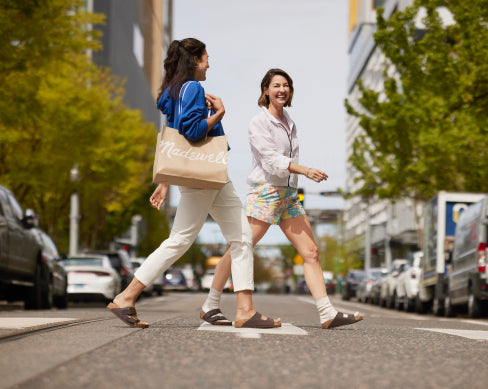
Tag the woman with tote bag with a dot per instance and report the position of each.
(186, 65)
(272, 197)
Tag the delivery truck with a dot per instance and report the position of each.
(441, 215)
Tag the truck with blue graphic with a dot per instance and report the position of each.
(441, 215)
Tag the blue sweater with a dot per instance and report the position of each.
(191, 121)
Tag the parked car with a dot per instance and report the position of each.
(375, 294)
(208, 278)
(468, 275)
(57, 288)
(156, 286)
(174, 279)
(330, 285)
(407, 286)
(351, 282)
(91, 276)
(363, 292)
(191, 277)
(388, 282)
(23, 275)
(121, 262)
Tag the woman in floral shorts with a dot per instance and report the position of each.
(273, 197)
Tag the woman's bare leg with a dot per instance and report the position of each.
(299, 232)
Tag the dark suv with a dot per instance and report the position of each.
(23, 275)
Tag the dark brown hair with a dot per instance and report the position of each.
(264, 99)
(179, 64)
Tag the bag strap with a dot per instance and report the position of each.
(180, 98)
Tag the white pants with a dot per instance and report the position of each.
(226, 209)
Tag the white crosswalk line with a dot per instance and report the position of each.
(26, 322)
(470, 334)
(255, 333)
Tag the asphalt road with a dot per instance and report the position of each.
(90, 348)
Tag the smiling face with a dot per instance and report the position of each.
(202, 65)
(278, 91)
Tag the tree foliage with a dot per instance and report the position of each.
(56, 110)
(426, 131)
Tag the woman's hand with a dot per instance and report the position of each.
(159, 196)
(215, 103)
(316, 174)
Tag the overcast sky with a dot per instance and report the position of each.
(307, 39)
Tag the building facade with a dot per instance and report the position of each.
(135, 37)
(389, 230)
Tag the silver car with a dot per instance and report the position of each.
(388, 283)
(407, 285)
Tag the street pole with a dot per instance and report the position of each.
(74, 216)
(367, 243)
(74, 224)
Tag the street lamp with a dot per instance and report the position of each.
(74, 216)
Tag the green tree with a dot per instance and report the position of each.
(426, 131)
(58, 109)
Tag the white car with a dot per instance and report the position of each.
(91, 276)
(191, 279)
(208, 278)
(407, 285)
(388, 283)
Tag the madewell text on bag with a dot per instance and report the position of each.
(201, 164)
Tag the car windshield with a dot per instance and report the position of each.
(357, 276)
(375, 274)
(83, 262)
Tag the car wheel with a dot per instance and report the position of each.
(61, 302)
(389, 301)
(33, 298)
(420, 306)
(47, 289)
(408, 304)
(448, 308)
(438, 307)
(474, 306)
(397, 302)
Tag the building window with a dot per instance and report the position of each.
(138, 45)
(378, 3)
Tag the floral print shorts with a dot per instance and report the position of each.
(272, 204)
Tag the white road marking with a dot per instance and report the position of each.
(470, 334)
(255, 333)
(481, 323)
(26, 322)
(309, 300)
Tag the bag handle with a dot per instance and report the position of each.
(180, 98)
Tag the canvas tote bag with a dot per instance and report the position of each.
(178, 161)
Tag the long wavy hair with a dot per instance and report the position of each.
(179, 65)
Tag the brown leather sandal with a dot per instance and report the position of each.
(127, 315)
(215, 317)
(256, 321)
(342, 319)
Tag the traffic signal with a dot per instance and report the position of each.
(301, 195)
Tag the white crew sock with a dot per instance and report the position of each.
(212, 301)
(326, 310)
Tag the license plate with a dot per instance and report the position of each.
(79, 285)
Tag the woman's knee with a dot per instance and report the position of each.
(311, 255)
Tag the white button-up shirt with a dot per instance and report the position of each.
(273, 149)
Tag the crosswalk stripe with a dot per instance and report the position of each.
(470, 334)
(26, 322)
(255, 333)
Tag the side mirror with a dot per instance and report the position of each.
(30, 219)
